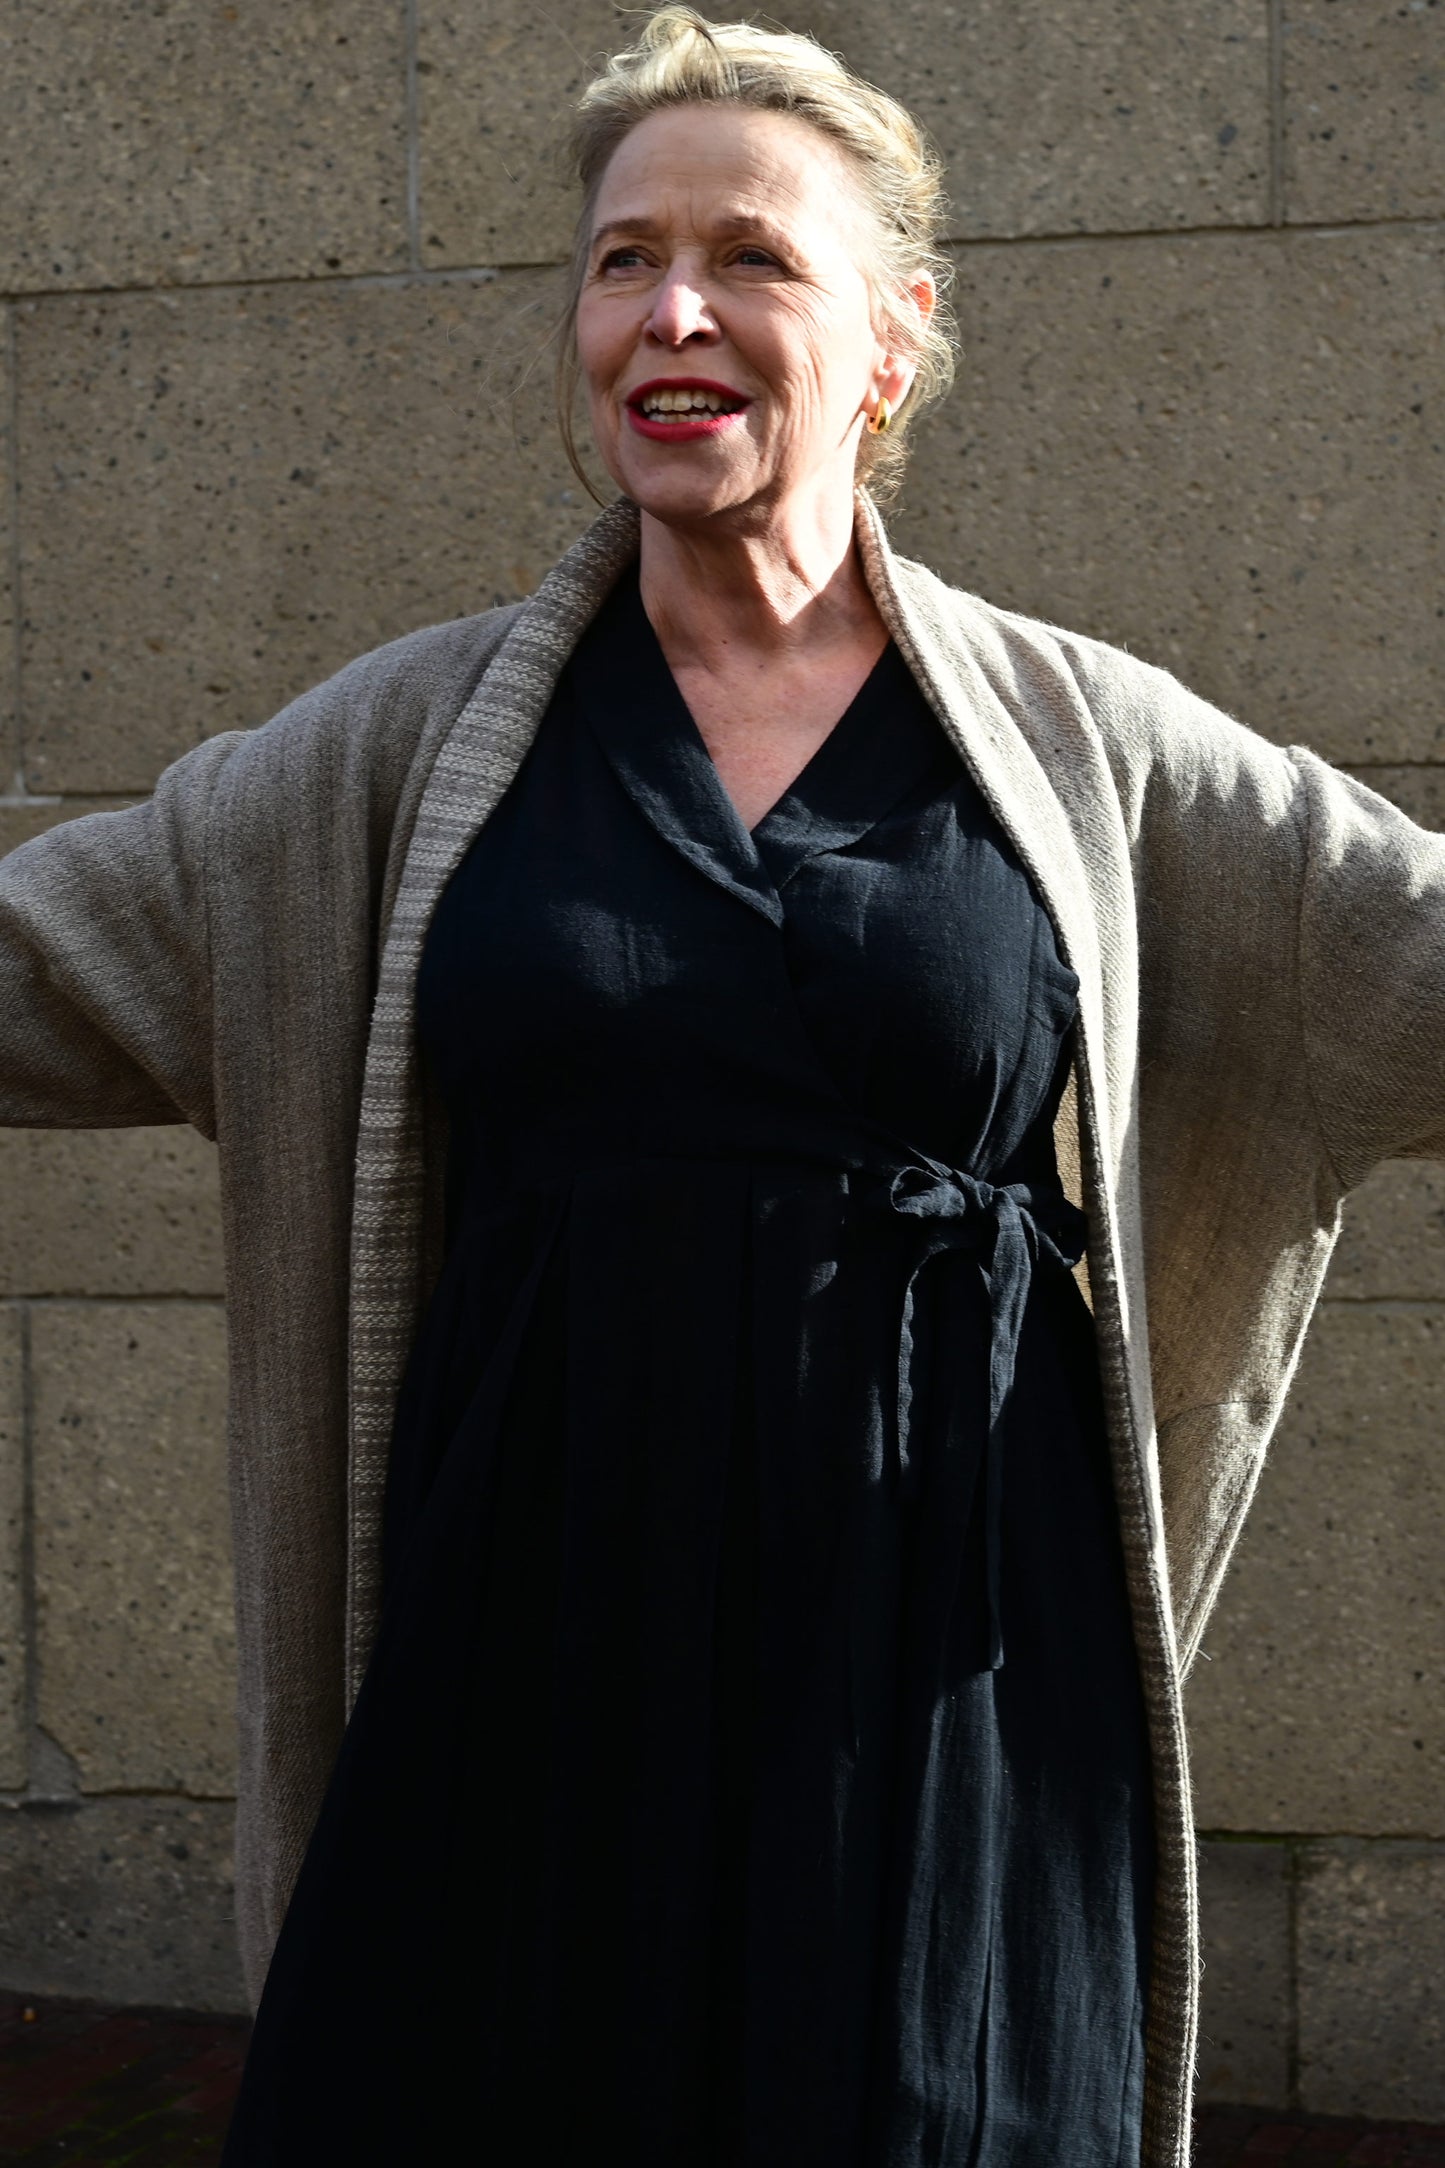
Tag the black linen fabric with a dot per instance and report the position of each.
(751, 1768)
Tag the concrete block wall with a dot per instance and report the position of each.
(275, 287)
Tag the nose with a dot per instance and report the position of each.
(680, 311)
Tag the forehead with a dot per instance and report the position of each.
(719, 165)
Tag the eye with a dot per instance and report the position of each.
(753, 253)
(627, 258)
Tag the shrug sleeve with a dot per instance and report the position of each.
(1372, 974)
(105, 995)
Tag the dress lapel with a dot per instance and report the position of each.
(645, 728)
(1034, 751)
(949, 664)
(867, 763)
(874, 755)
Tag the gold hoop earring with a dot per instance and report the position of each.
(878, 423)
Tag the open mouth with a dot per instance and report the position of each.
(685, 402)
(690, 408)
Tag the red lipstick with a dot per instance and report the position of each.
(686, 426)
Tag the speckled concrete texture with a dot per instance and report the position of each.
(1418, 791)
(233, 493)
(1244, 2013)
(495, 86)
(133, 1575)
(130, 1900)
(1364, 109)
(1105, 116)
(1371, 1958)
(1392, 1242)
(13, 1713)
(109, 1212)
(1099, 117)
(1221, 451)
(196, 141)
(1321, 1708)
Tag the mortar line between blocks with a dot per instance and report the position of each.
(155, 1300)
(442, 275)
(1400, 1840)
(413, 139)
(1292, 2011)
(29, 1602)
(1357, 765)
(157, 1794)
(1276, 113)
(14, 753)
(1394, 1305)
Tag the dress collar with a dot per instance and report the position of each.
(620, 680)
(880, 748)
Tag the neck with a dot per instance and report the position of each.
(770, 587)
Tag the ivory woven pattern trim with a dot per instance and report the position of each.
(482, 753)
(1024, 797)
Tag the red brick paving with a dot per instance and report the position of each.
(1251, 2138)
(84, 2087)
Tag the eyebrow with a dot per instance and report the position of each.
(730, 223)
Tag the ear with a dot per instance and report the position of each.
(896, 371)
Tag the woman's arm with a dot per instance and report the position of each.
(105, 1004)
(1372, 971)
(105, 948)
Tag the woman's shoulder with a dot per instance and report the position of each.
(381, 708)
(323, 790)
(1154, 730)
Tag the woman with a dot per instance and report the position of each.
(635, 1027)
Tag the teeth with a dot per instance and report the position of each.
(685, 400)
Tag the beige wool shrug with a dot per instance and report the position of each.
(1260, 945)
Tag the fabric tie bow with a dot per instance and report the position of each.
(1007, 1231)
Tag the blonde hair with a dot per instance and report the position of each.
(682, 59)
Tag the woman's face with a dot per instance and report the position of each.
(724, 327)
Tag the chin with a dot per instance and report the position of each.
(679, 499)
(683, 507)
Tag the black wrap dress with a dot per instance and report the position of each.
(751, 1769)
